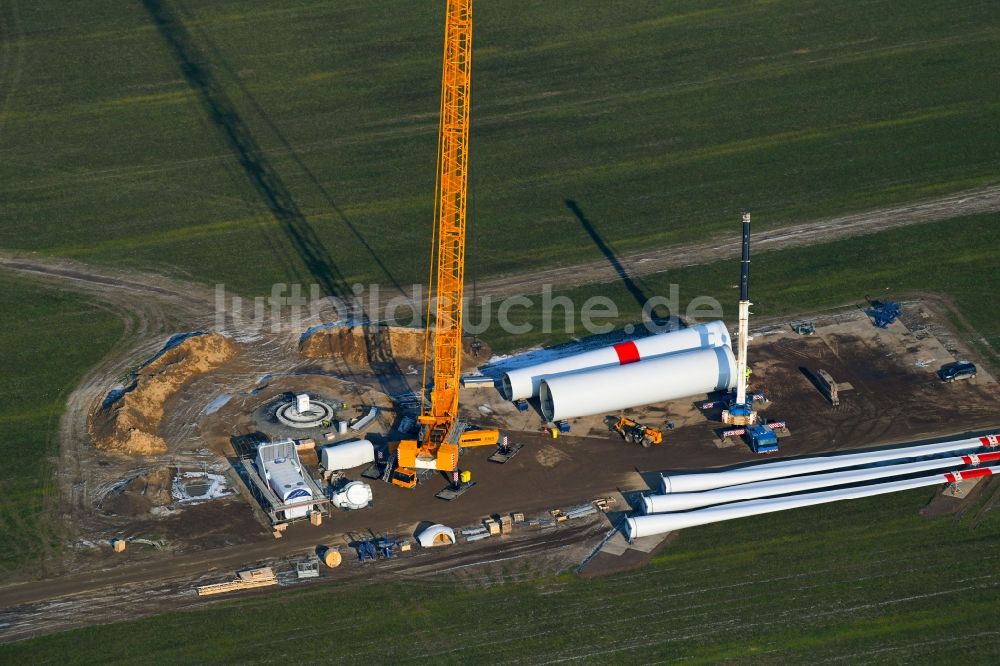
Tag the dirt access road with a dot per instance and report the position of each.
(127, 592)
(646, 262)
(659, 259)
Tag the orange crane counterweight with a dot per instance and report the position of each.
(441, 434)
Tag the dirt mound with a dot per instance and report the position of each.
(141, 494)
(404, 345)
(129, 425)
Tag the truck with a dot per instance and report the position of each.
(761, 437)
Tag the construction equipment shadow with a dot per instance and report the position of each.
(268, 184)
(609, 254)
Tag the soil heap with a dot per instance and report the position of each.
(403, 345)
(130, 424)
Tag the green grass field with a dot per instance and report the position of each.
(867, 581)
(44, 350)
(953, 257)
(660, 120)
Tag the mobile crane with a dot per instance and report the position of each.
(761, 438)
(441, 433)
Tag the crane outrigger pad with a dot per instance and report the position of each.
(503, 454)
(451, 492)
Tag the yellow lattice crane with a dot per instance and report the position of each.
(441, 433)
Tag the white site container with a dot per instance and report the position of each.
(347, 455)
(524, 383)
(614, 388)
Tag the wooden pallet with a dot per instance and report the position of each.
(247, 580)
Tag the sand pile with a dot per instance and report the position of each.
(130, 424)
(398, 343)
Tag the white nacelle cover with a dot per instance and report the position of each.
(524, 383)
(436, 535)
(279, 464)
(347, 455)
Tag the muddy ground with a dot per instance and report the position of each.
(895, 397)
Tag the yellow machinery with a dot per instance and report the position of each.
(441, 434)
(631, 431)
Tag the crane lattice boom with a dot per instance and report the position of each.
(441, 433)
(453, 179)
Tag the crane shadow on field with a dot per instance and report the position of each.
(636, 292)
(267, 182)
(310, 175)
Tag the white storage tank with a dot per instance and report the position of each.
(524, 383)
(611, 389)
(347, 455)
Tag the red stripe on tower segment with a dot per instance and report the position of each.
(953, 477)
(627, 352)
(977, 458)
(990, 440)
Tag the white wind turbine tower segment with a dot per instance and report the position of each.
(800, 484)
(659, 379)
(699, 481)
(524, 383)
(659, 523)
